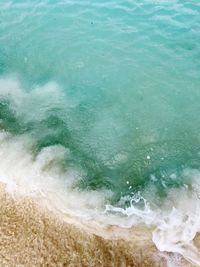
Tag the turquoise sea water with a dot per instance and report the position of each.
(116, 83)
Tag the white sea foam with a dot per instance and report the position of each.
(41, 175)
(176, 221)
(32, 105)
(176, 229)
(27, 173)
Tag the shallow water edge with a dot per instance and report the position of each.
(32, 234)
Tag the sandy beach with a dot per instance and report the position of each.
(32, 235)
(99, 133)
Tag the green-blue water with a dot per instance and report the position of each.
(126, 87)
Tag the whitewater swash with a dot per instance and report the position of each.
(49, 172)
(99, 126)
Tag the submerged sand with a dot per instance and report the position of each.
(33, 235)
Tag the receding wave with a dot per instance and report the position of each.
(48, 169)
(99, 104)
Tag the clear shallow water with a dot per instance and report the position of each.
(101, 99)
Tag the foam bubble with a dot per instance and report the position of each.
(135, 214)
(176, 221)
(177, 228)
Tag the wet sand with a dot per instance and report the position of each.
(32, 235)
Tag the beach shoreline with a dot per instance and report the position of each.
(33, 235)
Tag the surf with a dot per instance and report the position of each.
(99, 111)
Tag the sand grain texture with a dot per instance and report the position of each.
(33, 236)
